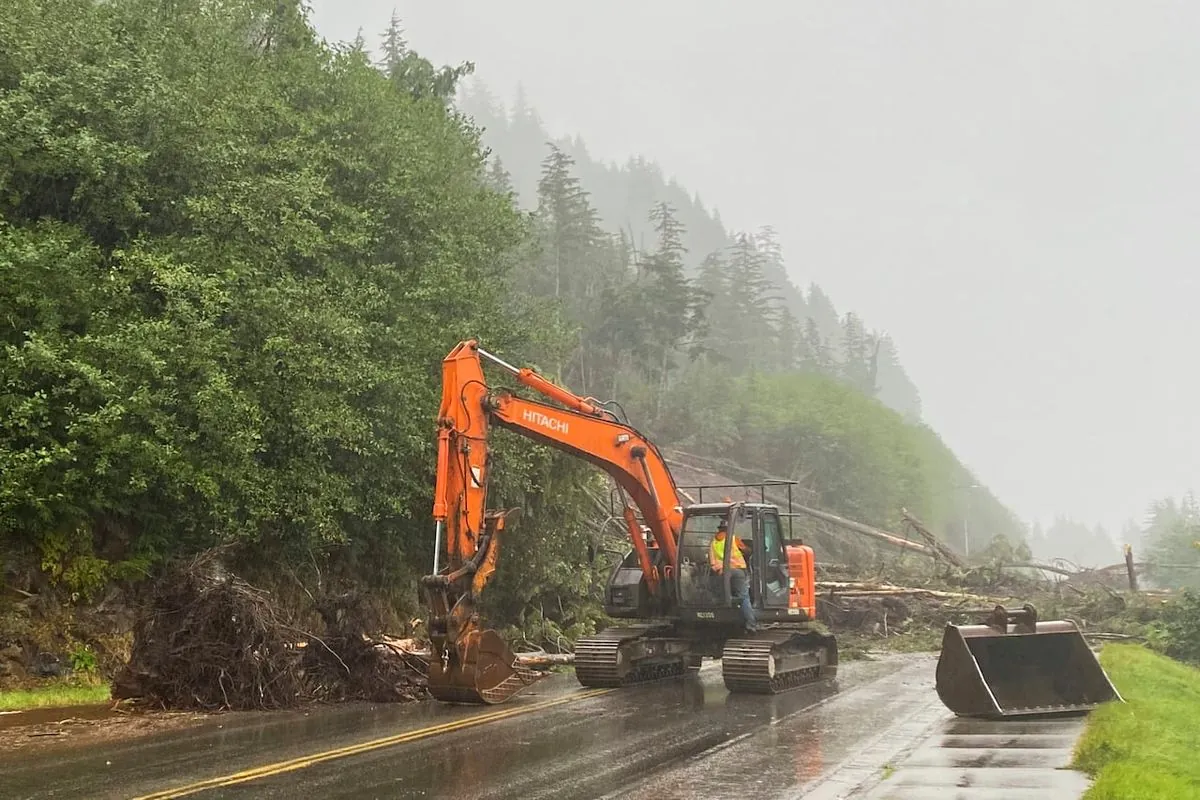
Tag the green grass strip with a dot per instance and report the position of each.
(54, 695)
(1148, 747)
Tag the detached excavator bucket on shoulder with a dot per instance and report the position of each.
(1013, 665)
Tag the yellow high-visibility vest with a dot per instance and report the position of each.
(736, 559)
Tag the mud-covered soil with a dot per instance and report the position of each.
(50, 729)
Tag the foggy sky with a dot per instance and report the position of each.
(1006, 188)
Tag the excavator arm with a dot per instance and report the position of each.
(472, 664)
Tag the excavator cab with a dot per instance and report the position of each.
(780, 573)
(699, 586)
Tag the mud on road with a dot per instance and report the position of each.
(682, 738)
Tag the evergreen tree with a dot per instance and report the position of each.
(823, 313)
(895, 389)
(570, 227)
(818, 357)
(580, 267)
(411, 73)
(858, 355)
(790, 346)
(674, 305)
(1172, 537)
(498, 178)
(751, 326)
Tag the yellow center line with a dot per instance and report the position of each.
(291, 765)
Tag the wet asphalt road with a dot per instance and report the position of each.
(676, 739)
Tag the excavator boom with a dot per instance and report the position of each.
(471, 664)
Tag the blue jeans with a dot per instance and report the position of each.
(739, 585)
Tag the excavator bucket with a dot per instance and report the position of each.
(1013, 665)
(480, 668)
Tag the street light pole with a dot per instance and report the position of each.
(966, 523)
(966, 520)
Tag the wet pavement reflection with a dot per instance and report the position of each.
(686, 737)
(973, 759)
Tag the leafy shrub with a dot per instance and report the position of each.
(1177, 633)
(83, 660)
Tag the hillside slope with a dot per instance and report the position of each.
(624, 197)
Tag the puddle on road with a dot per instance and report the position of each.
(50, 716)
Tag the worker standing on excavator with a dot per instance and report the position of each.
(739, 580)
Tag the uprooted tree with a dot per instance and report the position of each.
(210, 640)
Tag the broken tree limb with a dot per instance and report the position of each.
(1129, 570)
(932, 541)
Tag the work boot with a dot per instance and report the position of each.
(751, 627)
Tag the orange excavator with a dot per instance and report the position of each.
(679, 610)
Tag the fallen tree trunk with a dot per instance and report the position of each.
(544, 660)
(906, 593)
(417, 654)
(847, 589)
(1044, 568)
(866, 530)
(693, 463)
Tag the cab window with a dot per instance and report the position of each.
(772, 541)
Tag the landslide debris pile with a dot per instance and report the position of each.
(863, 611)
(210, 640)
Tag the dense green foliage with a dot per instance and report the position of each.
(1177, 631)
(1144, 748)
(628, 199)
(232, 258)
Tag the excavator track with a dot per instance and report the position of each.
(777, 660)
(604, 660)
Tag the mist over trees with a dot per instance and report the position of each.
(626, 199)
(708, 345)
(1170, 539)
(1167, 541)
(233, 256)
(1077, 542)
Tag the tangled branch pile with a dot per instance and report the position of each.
(210, 640)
